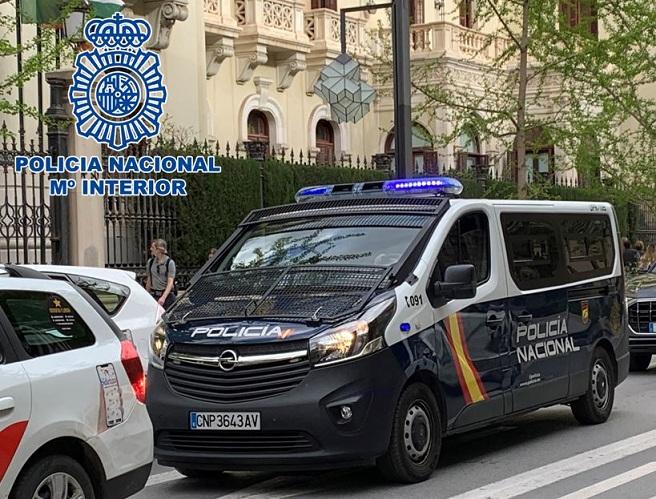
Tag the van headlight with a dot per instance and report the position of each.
(158, 345)
(355, 338)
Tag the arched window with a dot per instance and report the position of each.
(467, 13)
(539, 156)
(325, 143)
(468, 155)
(258, 127)
(424, 159)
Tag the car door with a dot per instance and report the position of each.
(538, 309)
(15, 402)
(475, 330)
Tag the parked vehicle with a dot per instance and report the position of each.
(72, 417)
(120, 295)
(641, 303)
(368, 321)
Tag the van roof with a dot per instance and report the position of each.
(559, 206)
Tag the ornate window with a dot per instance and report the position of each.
(468, 156)
(258, 127)
(424, 158)
(325, 143)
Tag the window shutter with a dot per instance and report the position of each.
(430, 162)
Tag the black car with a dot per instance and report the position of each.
(641, 302)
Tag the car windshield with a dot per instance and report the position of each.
(365, 240)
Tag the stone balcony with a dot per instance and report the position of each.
(323, 30)
(272, 31)
(443, 39)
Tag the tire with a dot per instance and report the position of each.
(412, 455)
(200, 474)
(47, 477)
(596, 405)
(639, 362)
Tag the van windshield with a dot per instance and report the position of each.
(326, 242)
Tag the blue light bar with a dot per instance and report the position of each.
(426, 185)
(436, 185)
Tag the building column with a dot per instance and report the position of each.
(84, 224)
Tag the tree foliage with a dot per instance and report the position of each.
(549, 71)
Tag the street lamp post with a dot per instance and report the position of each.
(401, 57)
(257, 151)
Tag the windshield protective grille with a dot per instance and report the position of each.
(307, 292)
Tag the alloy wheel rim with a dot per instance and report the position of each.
(600, 385)
(417, 432)
(59, 486)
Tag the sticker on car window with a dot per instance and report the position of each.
(61, 314)
(111, 394)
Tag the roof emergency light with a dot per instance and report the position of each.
(427, 185)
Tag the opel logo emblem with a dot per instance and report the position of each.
(228, 360)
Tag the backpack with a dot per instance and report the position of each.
(149, 266)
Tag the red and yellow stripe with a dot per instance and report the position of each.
(470, 381)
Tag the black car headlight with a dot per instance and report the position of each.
(355, 338)
(158, 345)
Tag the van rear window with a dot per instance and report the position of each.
(548, 250)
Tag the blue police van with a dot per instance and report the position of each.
(366, 322)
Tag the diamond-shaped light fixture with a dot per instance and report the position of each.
(340, 85)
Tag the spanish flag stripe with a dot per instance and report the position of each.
(469, 382)
(456, 363)
(477, 376)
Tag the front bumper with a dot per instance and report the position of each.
(304, 422)
(642, 343)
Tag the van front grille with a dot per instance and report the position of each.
(204, 381)
(641, 314)
(235, 442)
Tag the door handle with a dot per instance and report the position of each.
(525, 317)
(7, 403)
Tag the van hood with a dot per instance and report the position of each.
(641, 286)
(241, 332)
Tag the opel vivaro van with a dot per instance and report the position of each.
(367, 321)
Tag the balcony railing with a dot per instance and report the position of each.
(322, 28)
(438, 39)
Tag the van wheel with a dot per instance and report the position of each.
(416, 439)
(54, 477)
(639, 361)
(595, 406)
(200, 474)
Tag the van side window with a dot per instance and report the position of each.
(44, 323)
(468, 242)
(532, 244)
(589, 246)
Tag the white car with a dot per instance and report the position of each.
(73, 423)
(120, 295)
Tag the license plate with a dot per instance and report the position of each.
(652, 327)
(224, 420)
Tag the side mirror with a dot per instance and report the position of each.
(459, 283)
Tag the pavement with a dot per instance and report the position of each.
(542, 455)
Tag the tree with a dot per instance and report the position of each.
(573, 72)
(39, 52)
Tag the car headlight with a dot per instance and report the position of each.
(355, 338)
(158, 345)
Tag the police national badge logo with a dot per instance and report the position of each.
(117, 92)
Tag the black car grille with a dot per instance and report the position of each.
(641, 314)
(243, 383)
(235, 442)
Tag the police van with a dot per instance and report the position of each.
(368, 321)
